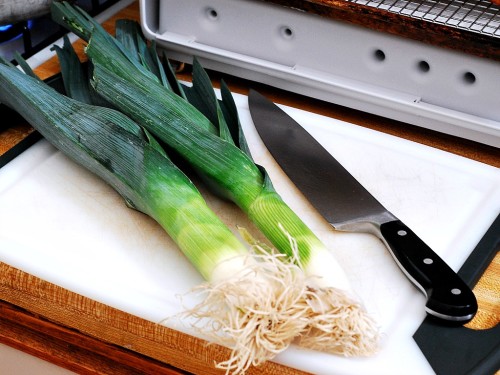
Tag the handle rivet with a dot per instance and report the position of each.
(428, 261)
(456, 291)
(402, 233)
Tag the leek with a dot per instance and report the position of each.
(341, 325)
(255, 303)
(116, 149)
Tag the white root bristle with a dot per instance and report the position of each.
(338, 324)
(258, 312)
(262, 309)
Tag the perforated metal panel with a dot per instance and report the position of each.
(358, 67)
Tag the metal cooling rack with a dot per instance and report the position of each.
(479, 16)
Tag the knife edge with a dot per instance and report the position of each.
(347, 205)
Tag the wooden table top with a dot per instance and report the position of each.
(88, 337)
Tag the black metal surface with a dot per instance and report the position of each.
(462, 350)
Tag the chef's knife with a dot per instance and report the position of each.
(348, 206)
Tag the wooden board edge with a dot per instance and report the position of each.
(69, 329)
(71, 349)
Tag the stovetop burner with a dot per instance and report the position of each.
(9, 32)
(12, 32)
(29, 37)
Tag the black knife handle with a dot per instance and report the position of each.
(448, 296)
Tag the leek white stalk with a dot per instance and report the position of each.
(207, 141)
(255, 303)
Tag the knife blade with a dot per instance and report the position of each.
(348, 206)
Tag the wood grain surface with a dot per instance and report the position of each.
(487, 291)
(88, 337)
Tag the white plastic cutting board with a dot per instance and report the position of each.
(64, 225)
